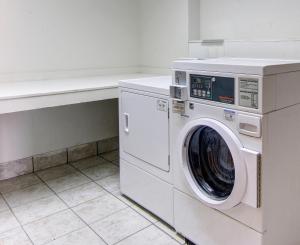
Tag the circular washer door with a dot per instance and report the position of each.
(212, 163)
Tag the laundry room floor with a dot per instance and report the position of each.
(77, 204)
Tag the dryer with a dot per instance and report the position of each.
(235, 143)
(145, 171)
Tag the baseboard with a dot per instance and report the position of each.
(58, 157)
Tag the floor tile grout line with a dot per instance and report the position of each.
(106, 216)
(107, 159)
(98, 156)
(114, 194)
(41, 181)
(75, 172)
(47, 216)
(94, 180)
(93, 199)
(56, 194)
(81, 228)
(81, 171)
(35, 174)
(71, 209)
(155, 224)
(67, 164)
(67, 207)
(117, 165)
(5, 210)
(52, 191)
(32, 201)
(134, 233)
(142, 215)
(136, 210)
(89, 225)
(74, 187)
(58, 166)
(19, 222)
(151, 222)
(160, 220)
(111, 161)
(3, 193)
(101, 155)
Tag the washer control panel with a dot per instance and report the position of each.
(219, 89)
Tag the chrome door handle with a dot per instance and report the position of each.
(126, 123)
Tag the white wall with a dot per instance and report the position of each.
(24, 134)
(163, 33)
(42, 39)
(58, 38)
(250, 20)
(47, 36)
(257, 29)
(45, 39)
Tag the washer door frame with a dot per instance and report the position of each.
(235, 147)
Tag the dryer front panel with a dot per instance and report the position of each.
(145, 128)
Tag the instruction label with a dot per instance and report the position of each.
(249, 93)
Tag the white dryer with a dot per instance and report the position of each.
(145, 172)
(234, 128)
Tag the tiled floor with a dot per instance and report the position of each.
(77, 204)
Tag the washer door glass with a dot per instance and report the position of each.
(211, 163)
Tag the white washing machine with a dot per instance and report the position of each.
(235, 133)
(145, 171)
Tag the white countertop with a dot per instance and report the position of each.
(31, 95)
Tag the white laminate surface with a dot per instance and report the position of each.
(30, 95)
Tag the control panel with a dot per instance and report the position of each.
(219, 89)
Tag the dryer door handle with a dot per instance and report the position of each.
(126, 123)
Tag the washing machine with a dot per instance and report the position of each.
(145, 169)
(234, 128)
